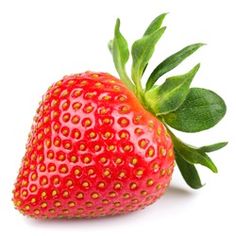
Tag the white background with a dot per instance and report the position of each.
(40, 41)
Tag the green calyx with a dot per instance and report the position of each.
(174, 102)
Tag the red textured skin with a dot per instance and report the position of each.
(124, 146)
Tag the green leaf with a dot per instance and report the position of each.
(171, 94)
(188, 171)
(120, 52)
(142, 51)
(201, 110)
(195, 156)
(155, 24)
(170, 63)
(213, 147)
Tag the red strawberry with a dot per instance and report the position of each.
(98, 148)
(93, 150)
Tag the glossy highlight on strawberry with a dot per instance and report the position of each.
(93, 150)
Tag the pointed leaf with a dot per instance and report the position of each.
(171, 94)
(120, 53)
(213, 147)
(188, 171)
(201, 110)
(170, 63)
(195, 156)
(142, 51)
(155, 24)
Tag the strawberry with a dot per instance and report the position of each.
(103, 146)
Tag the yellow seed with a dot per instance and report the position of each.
(139, 173)
(76, 106)
(133, 186)
(24, 193)
(144, 193)
(107, 135)
(158, 187)
(75, 120)
(18, 203)
(69, 183)
(101, 185)
(103, 159)
(159, 131)
(56, 181)
(86, 160)
(80, 195)
(44, 181)
(73, 159)
(88, 204)
(106, 173)
(134, 161)
(54, 193)
(106, 97)
(163, 151)
(143, 143)
(105, 201)
(127, 148)
(34, 176)
(92, 135)
(90, 172)
(150, 182)
(95, 195)
(117, 204)
(106, 121)
(65, 132)
(52, 211)
(27, 207)
(63, 170)
(88, 109)
(97, 147)
(112, 194)
(57, 204)
(65, 211)
(87, 122)
(163, 171)
(57, 143)
(33, 200)
(117, 186)
(111, 148)
(85, 184)
(50, 155)
(71, 204)
(65, 105)
(122, 174)
(82, 147)
(36, 211)
(65, 194)
(116, 87)
(98, 84)
(118, 160)
(44, 205)
(123, 135)
(66, 117)
(33, 188)
(170, 153)
(126, 195)
(155, 167)
(76, 134)
(64, 93)
(77, 171)
(150, 152)
(43, 194)
(67, 145)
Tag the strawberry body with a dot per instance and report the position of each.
(93, 150)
